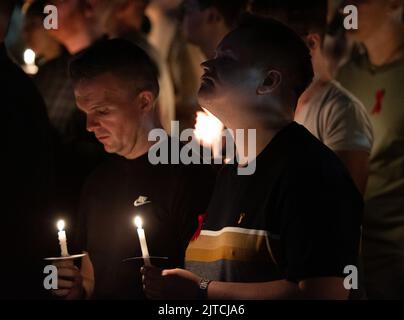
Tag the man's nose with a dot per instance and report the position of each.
(91, 124)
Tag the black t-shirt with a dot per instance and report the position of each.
(177, 195)
(297, 217)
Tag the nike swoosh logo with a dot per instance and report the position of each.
(141, 201)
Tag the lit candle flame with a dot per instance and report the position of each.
(29, 56)
(138, 222)
(208, 129)
(61, 225)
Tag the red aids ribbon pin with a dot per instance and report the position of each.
(201, 218)
(379, 101)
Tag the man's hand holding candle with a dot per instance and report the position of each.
(70, 281)
(173, 284)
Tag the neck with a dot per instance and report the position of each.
(142, 147)
(142, 144)
(322, 76)
(386, 44)
(54, 50)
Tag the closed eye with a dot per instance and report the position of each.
(102, 111)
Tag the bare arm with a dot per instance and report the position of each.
(357, 163)
(182, 284)
(317, 288)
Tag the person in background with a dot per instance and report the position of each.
(206, 22)
(77, 151)
(337, 47)
(27, 170)
(376, 76)
(76, 31)
(36, 37)
(326, 109)
(183, 58)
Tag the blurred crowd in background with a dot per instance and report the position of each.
(178, 36)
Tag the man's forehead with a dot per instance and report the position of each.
(102, 82)
(238, 42)
(90, 91)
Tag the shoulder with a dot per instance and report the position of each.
(307, 156)
(346, 121)
(340, 101)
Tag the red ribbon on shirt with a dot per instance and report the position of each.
(201, 219)
(379, 101)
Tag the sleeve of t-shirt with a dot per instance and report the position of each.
(346, 125)
(320, 225)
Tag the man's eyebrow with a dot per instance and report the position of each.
(98, 105)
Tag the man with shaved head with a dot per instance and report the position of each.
(288, 230)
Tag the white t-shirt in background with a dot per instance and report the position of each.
(337, 118)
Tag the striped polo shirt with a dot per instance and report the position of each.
(298, 216)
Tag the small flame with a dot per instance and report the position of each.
(138, 222)
(61, 225)
(208, 129)
(29, 56)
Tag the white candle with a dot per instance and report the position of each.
(142, 238)
(62, 238)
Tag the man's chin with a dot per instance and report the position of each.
(109, 149)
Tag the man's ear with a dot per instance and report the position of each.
(145, 100)
(313, 41)
(272, 80)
